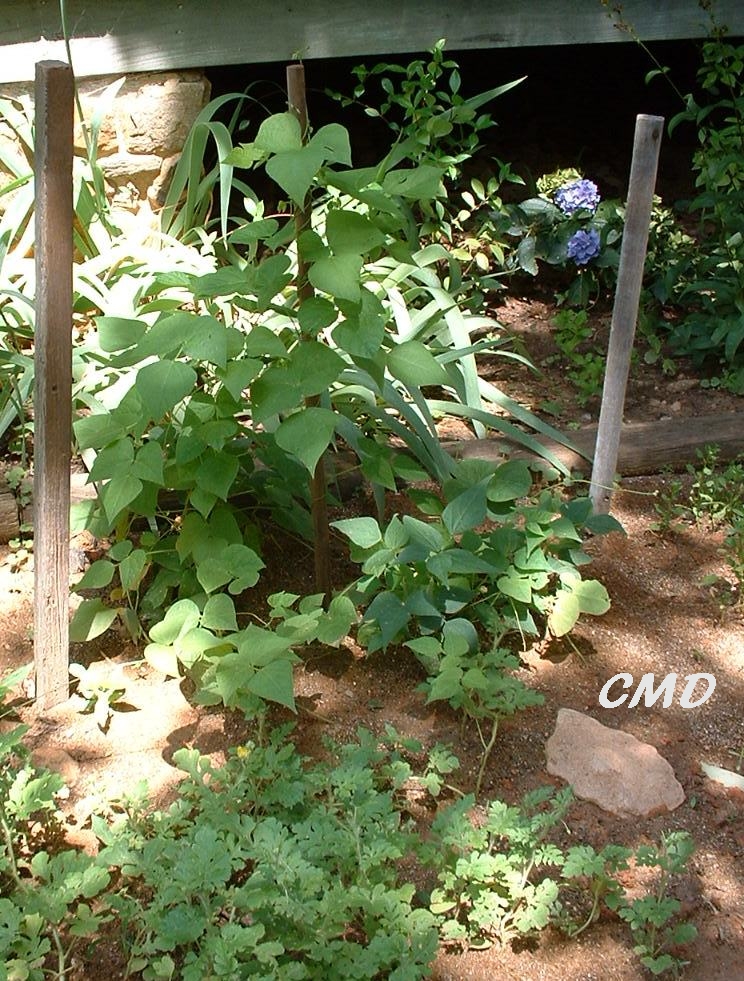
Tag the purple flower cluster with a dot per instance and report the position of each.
(583, 246)
(578, 195)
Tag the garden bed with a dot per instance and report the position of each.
(662, 619)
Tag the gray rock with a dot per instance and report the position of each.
(611, 768)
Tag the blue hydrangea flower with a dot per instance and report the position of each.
(577, 195)
(583, 246)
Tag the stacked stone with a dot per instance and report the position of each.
(143, 130)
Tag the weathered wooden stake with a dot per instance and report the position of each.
(53, 381)
(297, 101)
(646, 146)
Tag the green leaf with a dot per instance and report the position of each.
(332, 141)
(295, 170)
(245, 155)
(350, 232)
(420, 184)
(237, 565)
(213, 573)
(515, 586)
(564, 614)
(364, 532)
(91, 619)
(163, 384)
(314, 367)
(338, 275)
(119, 333)
(163, 658)
(208, 341)
(603, 524)
(216, 473)
(98, 430)
(263, 343)
(182, 616)
(390, 615)
(274, 682)
(362, 331)
(307, 434)
(148, 463)
(118, 493)
(510, 481)
(279, 133)
(255, 231)
(336, 620)
(246, 566)
(447, 684)
(467, 510)
(98, 576)
(238, 375)
(277, 390)
(272, 276)
(219, 613)
(413, 363)
(132, 569)
(113, 460)
(592, 597)
(315, 314)
(164, 339)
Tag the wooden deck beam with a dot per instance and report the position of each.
(113, 37)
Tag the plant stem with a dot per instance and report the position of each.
(11, 853)
(296, 97)
(487, 747)
(61, 957)
(590, 918)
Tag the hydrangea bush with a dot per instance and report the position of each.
(569, 226)
(580, 195)
(583, 246)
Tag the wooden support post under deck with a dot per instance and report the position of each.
(53, 381)
(625, 311)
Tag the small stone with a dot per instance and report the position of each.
(611, 768)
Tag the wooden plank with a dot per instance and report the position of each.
(114, 37)
(53, 379)
(645, 447)
(80, 490)
(642, 182)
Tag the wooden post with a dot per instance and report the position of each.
(297, 101)
(646, 146)
(53, 379)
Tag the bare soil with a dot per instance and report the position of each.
(663, 619)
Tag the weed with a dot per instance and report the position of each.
(101, 695)
(47, 895)
(583, 360)
(650, 917)
(480, 684)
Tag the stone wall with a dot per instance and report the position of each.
(145, 119)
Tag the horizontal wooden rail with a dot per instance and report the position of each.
(114, 37)
(645, 448)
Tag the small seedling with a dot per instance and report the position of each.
(651, 917)
(102, 696)
(738, 755)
